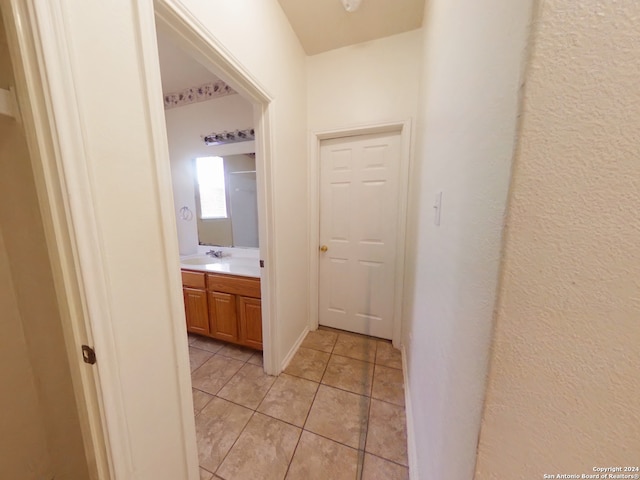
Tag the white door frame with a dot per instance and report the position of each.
(56, 143)
(194, 38)
(404, 129)
(68, 223)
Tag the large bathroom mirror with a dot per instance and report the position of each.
(226, 201)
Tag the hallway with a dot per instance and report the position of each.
(336, 412)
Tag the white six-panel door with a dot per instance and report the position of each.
(359, 215)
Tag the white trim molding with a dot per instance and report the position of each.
(404, 129)
(37, 39)
(58, 124)
(33, 107)
(411, 438)
(150, 70)
(47, 22)
(294, 349)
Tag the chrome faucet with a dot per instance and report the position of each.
(214, 253)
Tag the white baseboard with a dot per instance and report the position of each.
(294, 349)
(411, 439)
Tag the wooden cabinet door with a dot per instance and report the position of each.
(222, 316)
(250, 321)
(195, 307)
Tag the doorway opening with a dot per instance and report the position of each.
(221, 303)
(200, 46)
(370, 158)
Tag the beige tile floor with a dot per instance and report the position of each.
(337, 411)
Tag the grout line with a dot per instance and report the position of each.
(202, 349)
(212, 473)
(194, 371)
(315, 349)
(267, 394)
(294, 452)
(248, 408)
(330, 439)
(387, 460)
(235, 403)
(347, 391)
(234, 442)
(387, 402)
(359, 462)
(254, 411)
(205, 351)
(300, 376)
(352, 358)
(307, 416)
(324, 372)
(387, 366)
(244, 406)
(315, 395)
(371, 397)
(280, 420)
(362, 440)
(205, 405)
(362, 453)
(233, 358)
(225, 383)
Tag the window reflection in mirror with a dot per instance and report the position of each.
(226, 200)
(211, 186)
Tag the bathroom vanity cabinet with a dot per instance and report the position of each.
(226, 307)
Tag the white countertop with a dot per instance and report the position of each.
(243, 266)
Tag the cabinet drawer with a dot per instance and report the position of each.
(249, 287)
(193, 279)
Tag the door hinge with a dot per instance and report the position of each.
(261, 263)
(88, 355)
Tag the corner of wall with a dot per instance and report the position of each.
(292, 351)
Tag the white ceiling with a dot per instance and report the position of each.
(178, 69)
(320, 25)
(323, 25)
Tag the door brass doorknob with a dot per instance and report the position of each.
(324, 248)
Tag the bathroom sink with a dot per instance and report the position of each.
(205, 260)
(244, 266)
(242, 261)
(200, 260)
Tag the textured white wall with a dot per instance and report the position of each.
(367, 83)
(564, 386)
(185, 125)
(474, 53)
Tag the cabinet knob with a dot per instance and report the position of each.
(324, 248)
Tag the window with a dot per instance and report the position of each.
(213, 198)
